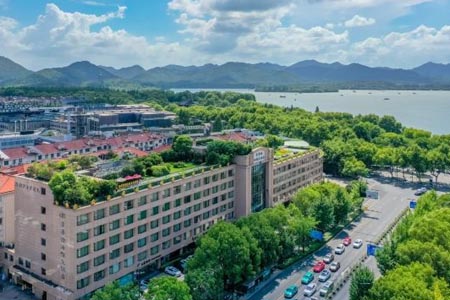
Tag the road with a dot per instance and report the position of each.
(375, 220)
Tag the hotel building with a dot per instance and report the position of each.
(65, 254)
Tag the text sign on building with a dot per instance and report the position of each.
(259, 156)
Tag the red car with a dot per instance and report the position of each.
(347, 241)
(319, 267)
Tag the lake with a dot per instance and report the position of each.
(429, 110)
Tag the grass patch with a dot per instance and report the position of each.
(181, 167)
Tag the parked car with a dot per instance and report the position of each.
(320, 265)
(420, 191)
(339, 249)
(307, 278)
(324, 275)
(143, 285)
(310, 290)
(184, 261)
(328, 258)
(347, 241)
(291, 291)
(172, 271)
(335, 266)
(357, 243)
(326, 288)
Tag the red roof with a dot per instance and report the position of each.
(233, 136)
(47, 149)
(18, 170)
(7, 184)
(16, 153)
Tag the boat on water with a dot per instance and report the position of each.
(282, 96)
(387, 98)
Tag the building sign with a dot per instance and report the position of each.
(259, 156)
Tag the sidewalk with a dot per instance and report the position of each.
(12, 292)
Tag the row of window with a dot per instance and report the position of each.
(129, 204)
(115, 239)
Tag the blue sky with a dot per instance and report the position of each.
(394, 33)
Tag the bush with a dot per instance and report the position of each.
(160, 170)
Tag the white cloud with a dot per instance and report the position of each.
(58, 38)
(358, 21)
(405, 48)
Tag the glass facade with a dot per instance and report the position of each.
(258, 187)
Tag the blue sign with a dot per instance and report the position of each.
(316, 234)
(371, 249)
(412, 204)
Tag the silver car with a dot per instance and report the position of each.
(324, 275)
(172, 271)
(310, 290)
(339, 249)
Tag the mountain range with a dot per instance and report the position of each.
(228, 75)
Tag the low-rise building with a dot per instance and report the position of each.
(66, 253)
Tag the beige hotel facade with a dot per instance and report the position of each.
(66, 254)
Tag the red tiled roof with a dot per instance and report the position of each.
(16, 153)
(233, 136)
(18, 170)
(47, 148)
(7, 184)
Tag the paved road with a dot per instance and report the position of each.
(379, 215)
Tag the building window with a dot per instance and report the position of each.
(82, 219)
(206, 204)
(43, 191)
(100, 229)
(177, 190)
(99, 275)
(82, 236)
(155, 210)
(177, 215)
(206, 180)
(142, 200)
(187, 223)
(142, 242)
(128, 248)
(142, 215)
(114, 239)
(197, 183)
(166, 193)
(128, 262)
(142, 228)
(114, 224)
(197, 195)
(187, 199)
(114, 209)
(154, 250)
(43, 256)
(197, 207)
(99, 214)
(128, 205)
(129, 220)
(99, 260)
(114, 268)
(43, 271)
(99, 245)
(187, 186)
(154, 224)
(166, 245)
(177, 227)
(177, 202)
(83, 251)
(258, 184)
(43, 227)
(154, 237)
(166, 232)
(82, 283)
(155, 196)
(83, 267)
(27, 264)
(128, 234)
(187, 211)
(114, 253)
(166, 206)
(166, 219)
(177, 240)
(142, 255)
(43, 210)
(43, 242)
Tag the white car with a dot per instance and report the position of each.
(310, 290)
(339, 249)
(420, 191)
(172, 271)
(357, 243)
(184, 262)
(324, 275)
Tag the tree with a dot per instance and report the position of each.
(354, 168)
(414, 281)
(386, 157)
(301, 226)
(217, 125)
(362, 281)
(182, 145)
(206, 283)
(438, 160)
(324, 213)
(165, 288)
(342, 206)
(390, 124)
(113, 291)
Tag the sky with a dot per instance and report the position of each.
(152, 33)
